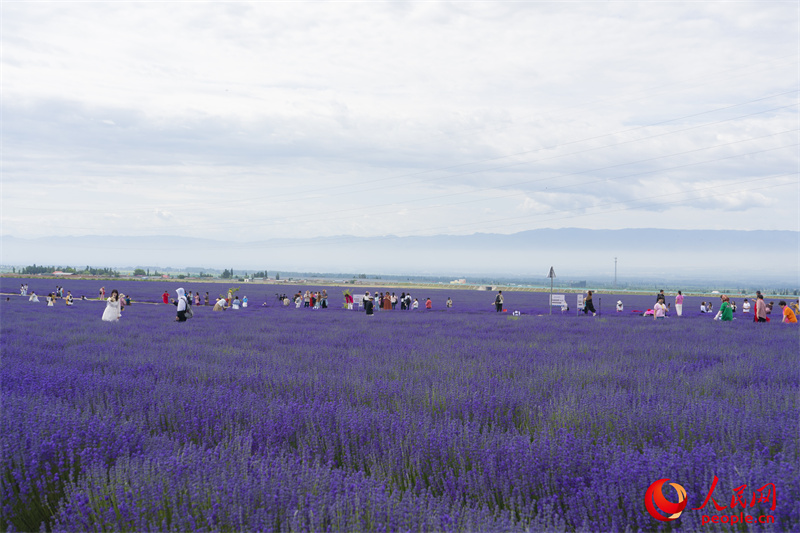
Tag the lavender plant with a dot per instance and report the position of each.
(281, 419)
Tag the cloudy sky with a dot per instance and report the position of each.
(246, 121)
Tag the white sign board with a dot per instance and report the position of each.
(358, 300)
(580, 301)
(557, 299)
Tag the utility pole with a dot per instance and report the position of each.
(615, 273)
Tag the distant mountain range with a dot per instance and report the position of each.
(650, 253)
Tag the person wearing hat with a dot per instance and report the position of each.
(619, 306)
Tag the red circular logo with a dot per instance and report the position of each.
(657, 504)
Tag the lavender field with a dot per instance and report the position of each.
(282, 419)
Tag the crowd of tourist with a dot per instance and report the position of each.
(389, 301)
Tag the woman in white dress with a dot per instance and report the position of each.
(33, 297)
(51, 300)
(112, 312)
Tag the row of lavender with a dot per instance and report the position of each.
(441, 421)
(261, 295)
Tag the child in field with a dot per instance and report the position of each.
(746, 306)
(703, 308)
(244, 301)
(619, 306)
(449, 303)
(428, 304)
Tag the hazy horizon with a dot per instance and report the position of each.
(573, 252)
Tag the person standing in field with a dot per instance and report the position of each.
(69, 298)
(387, 301)
(244, 301)
(181, 303)
(369, 305)
(498, 302)
(394, 301)
(449, 303)
(746, 306)
(428, 304)
(324, 298)
(679, 303)
(197, 298)
(165, 297)
(102, 293)
(588, 305)
(619, 306)
(788, 315)
(761, 309)
(112, 311)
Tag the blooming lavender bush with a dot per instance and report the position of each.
(284, 419)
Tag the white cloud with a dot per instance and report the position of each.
(307, 119)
